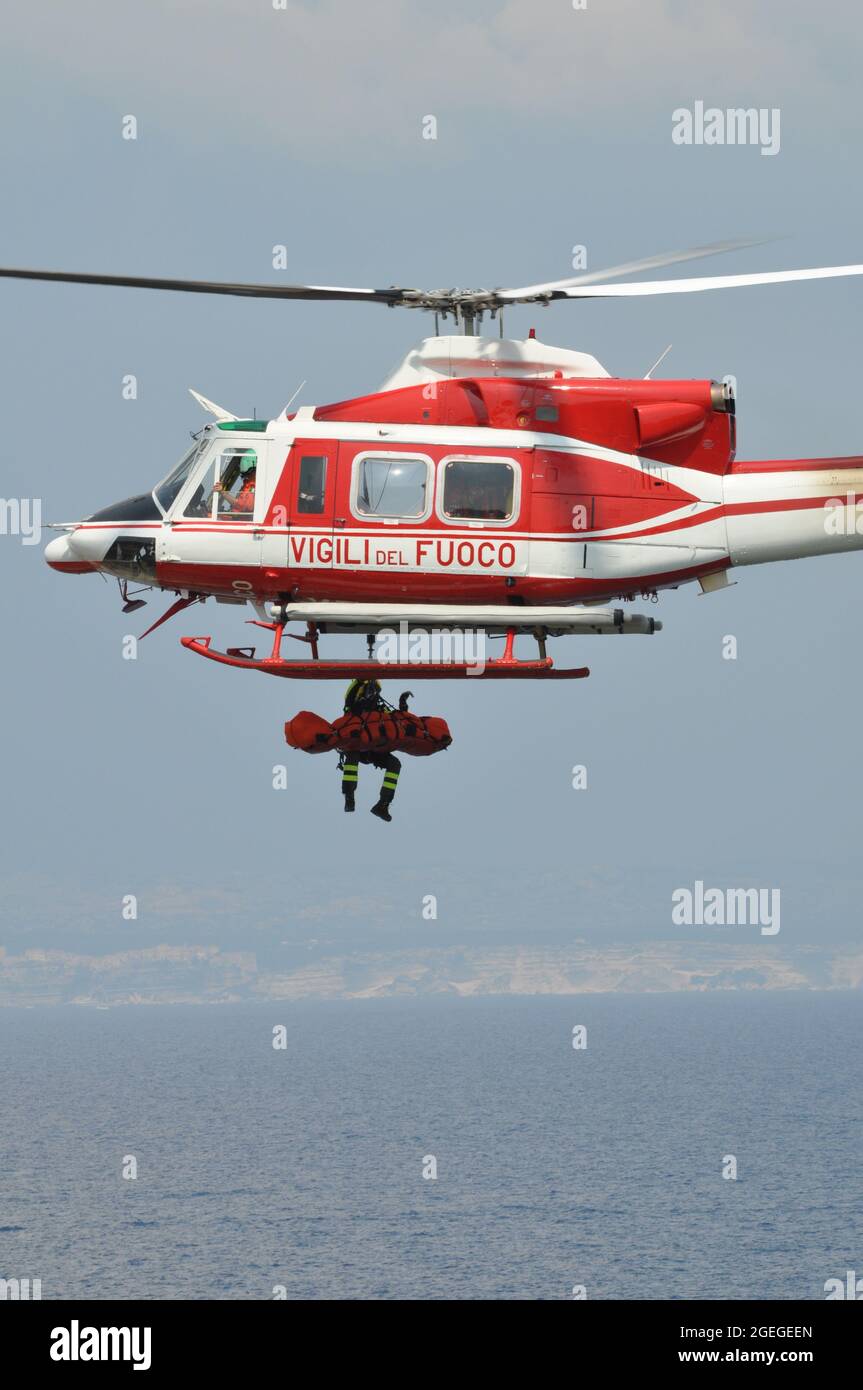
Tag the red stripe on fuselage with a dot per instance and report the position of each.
(779, 504)
(794, 465)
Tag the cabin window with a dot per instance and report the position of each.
(478, 490)
(392, 485)
(312, 484)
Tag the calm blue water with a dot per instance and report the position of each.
(303, 1167)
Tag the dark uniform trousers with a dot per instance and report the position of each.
(361, 697)
(388, 761)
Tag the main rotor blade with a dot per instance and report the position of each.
(388, 296)
(446, 301)
(704, 282)
(715, 248)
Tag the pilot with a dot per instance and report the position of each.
(363, 697)
(244, 501)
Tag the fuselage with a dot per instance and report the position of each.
(500, 485)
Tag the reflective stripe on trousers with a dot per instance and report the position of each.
(392, 765)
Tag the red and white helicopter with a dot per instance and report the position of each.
(491, 484)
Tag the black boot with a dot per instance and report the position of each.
(382, 809)
(349, 801)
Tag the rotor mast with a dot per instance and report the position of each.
(468, 308)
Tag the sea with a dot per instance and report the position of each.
(685, 1146)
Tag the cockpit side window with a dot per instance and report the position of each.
(236, 475)
(226, 490)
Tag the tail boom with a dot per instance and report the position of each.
(787, 509)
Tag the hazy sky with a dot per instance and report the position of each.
(260, 126)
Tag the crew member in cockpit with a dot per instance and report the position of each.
(244, 501)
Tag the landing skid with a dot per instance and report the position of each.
(506, 667)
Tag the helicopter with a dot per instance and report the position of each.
(492, 485)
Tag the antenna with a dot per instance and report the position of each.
(661, 358)
(294, 397)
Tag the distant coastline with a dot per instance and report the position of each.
(206, 974)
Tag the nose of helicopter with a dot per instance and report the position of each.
(71, 552)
